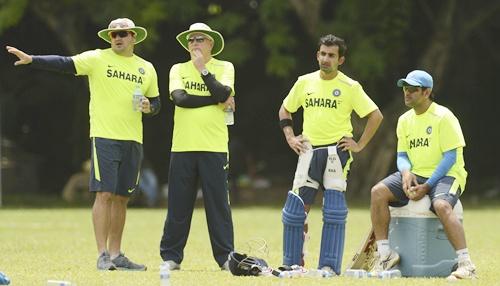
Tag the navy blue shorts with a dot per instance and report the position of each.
(446, 189)
(115, 166)
(317, 170)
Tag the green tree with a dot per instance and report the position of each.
(449, 28)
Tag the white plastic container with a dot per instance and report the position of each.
(59, 283)
(136, 99)
(418, 236)
(356, 273)
(229, 115)
(164, 274)
(389, 274)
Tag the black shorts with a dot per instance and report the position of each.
(115, 166)
(447, 188)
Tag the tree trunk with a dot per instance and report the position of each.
(309, 14)
(67, 27)
(375, 161)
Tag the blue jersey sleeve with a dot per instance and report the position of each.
(403, 162)
(449, 158)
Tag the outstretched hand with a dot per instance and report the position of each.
(24, 58)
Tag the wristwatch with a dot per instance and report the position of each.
(204, 72)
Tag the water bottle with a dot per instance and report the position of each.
(389, 274)
(136, 99)
(285, 274)
(164, 274)
(319, 273)
(59, 283)
(229, 115)
(356, 273)
(4, 280)
(294, 272)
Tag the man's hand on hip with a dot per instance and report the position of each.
(297, 143)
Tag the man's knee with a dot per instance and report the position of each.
(103, 196)
(442, 207)
(334, 207)
(380, 193)
(294, 212)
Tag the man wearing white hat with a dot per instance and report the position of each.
(114, 74)
(201, 89)
(430, 162)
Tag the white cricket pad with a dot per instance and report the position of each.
(334, 178)
(302, 172)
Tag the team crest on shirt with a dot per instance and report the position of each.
(336, 92)
(142, 71)
(429, 130)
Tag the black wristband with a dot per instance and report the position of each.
(286, 122)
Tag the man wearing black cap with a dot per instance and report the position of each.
(430, 162)
(123, 86)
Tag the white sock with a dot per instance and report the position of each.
(463, 254)
(383, 247)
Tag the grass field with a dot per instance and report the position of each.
(41, 244)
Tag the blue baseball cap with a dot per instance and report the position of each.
(417, 78)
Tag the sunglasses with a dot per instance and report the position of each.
(199, 39)
(410, 88)
(121, 34)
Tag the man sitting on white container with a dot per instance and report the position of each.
(430, 162)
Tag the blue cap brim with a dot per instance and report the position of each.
(405, 81)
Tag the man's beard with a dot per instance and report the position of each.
(326, 69)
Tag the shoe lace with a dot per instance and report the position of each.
(380, 263)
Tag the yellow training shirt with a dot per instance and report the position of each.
(202, 128)
(112, 81)
(328, 105)
(425, 137)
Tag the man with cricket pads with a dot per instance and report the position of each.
(201, 89)
(115, 127)
(430, 162)
(328, 98)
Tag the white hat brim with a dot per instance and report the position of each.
(216, 36)
(140, 33)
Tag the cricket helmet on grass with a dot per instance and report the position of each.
(243, 265)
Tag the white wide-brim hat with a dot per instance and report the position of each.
(121, 24)
(204, 29)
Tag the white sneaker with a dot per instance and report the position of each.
(385, 263)
(465, 270)
(172, 265)
(327, 272)
(225, 266)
